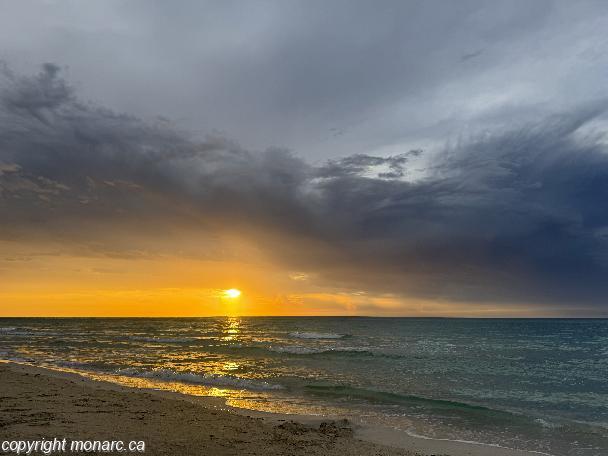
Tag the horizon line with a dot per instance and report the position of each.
(306, 316)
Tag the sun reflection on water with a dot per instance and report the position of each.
(231, 329)
(231, 366)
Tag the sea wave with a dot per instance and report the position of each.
(299, 350)
(164, 340)
(88, 366)
(546, 424)
(12, 331)
(7, 356)
(169, 375)
(418, 402)
(316, 335)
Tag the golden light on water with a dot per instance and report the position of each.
(231, 329)
(232, 293)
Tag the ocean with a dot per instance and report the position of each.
(534, 384)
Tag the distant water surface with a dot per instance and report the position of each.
(535, 384)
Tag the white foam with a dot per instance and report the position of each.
(296, 350)
(471, 442)
(316, 335)
(203, 379)
(546, 424)
(168, 340)
(299, 350)
(12, 331)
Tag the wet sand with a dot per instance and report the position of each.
(38, 403)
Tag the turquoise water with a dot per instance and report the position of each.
(536, 384)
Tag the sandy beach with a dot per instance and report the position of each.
(38, 403)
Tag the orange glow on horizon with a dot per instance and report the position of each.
(37, 283)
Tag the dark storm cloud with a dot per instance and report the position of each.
(518, 215)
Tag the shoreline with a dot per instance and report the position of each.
(318, 431)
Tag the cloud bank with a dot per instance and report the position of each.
(508, 216)
(326, 78)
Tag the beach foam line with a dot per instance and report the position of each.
(11, 358)
(473, 442)
(169, 375)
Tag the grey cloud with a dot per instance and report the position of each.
(360, 163)
(385, 74)
(471, 55)
(513, 216)
(35, 98)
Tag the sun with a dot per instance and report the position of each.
(232, 293)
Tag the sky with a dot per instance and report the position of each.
(389, 158)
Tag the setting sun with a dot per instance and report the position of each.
(232, 293)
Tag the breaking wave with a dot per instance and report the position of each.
(316, 335)
(164, 340)
(12, 331)
(418, 402)
(298, 350)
